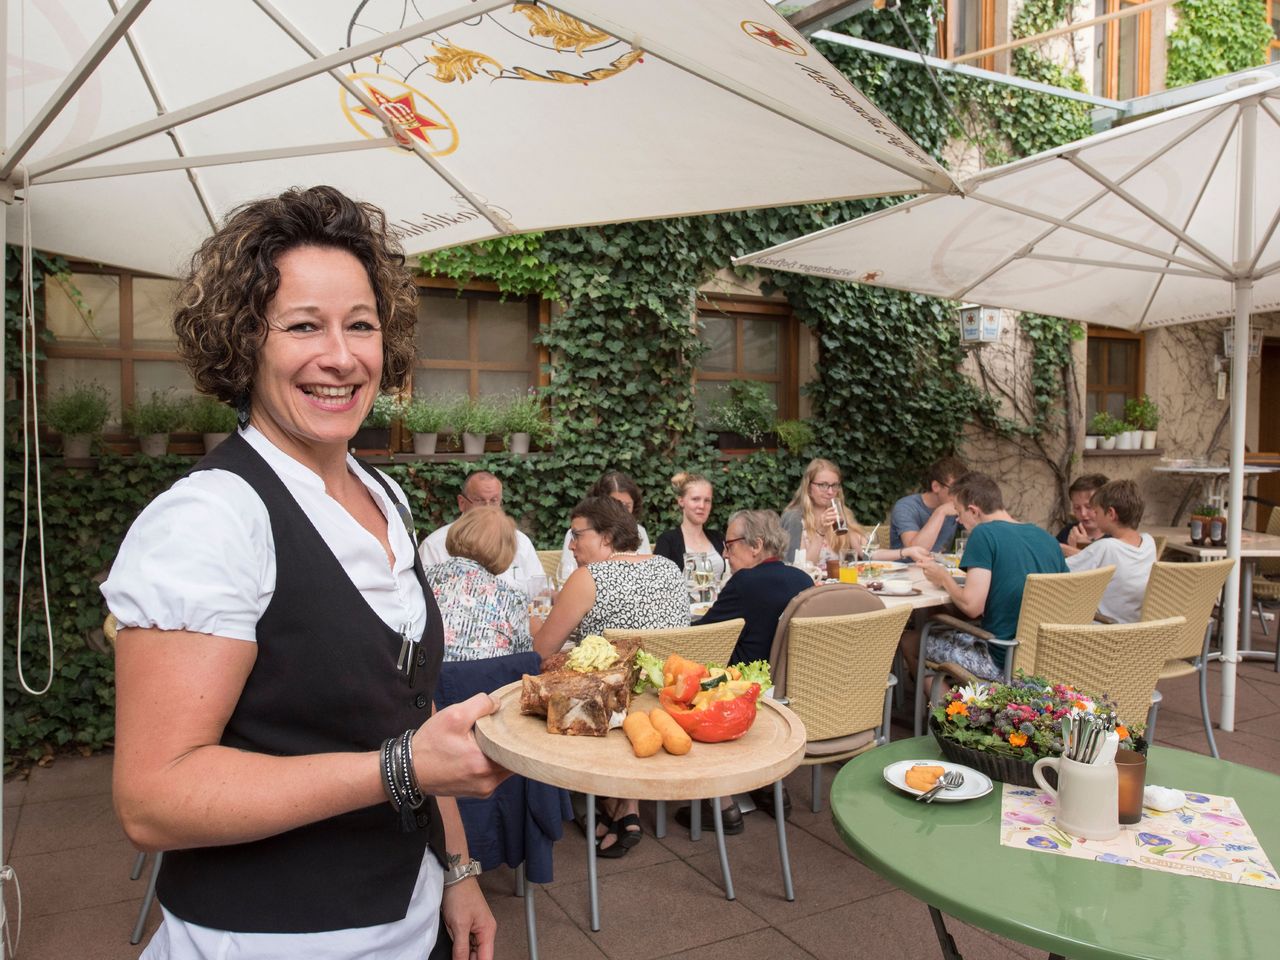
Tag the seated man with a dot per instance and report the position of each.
(999, 555)
(483, 489)
(1074, 537)
(1118, 510)
(928, 519)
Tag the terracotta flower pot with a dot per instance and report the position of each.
(154, 444)
(76, 446)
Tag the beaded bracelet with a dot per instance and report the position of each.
(389, 786)
(413, 794)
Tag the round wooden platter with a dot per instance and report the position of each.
(607, 766)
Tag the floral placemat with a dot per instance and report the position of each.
(1207, 837)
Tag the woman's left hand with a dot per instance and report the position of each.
(467, 916)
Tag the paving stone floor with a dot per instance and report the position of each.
(664, 899)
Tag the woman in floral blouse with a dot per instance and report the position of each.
(483, 616)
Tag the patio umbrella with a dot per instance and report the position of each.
(1165, 220)
(130, 133)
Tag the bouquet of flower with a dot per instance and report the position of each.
(1020, 720)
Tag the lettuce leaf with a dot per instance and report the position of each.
(757, 671)
(650, 668)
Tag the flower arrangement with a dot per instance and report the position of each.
(1020, 720)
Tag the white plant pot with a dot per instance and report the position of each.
(518, 443)
(154, 444)
(1148, 439)
(1109, 443)
(424, 444)
(473, 443)
(76, 446)
(1091, 443)
(211, 440)
(1124, 440)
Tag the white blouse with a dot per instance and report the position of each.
(201, 558)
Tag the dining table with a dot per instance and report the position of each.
(949, 856)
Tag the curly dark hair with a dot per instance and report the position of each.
(611, 520)
(221, 319)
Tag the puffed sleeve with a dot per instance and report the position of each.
(200, 558)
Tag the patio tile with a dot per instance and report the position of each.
(1267, 727)
(94, 933)
(823, 877)
(646, 912)
(571, 853)
(893, 926)
(69, 777)
(69, 880)
(1239, 747)
(757, 945)
(558, 936)
(64, 824)
(15, 791)
(12, 817)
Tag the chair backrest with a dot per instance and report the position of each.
(1160, 545)
(1185, 590)
(712, 643)
(1056, 598)
(1268, 566)
(550, 560)
(836, 669)
(827, 600)
(1121, 661)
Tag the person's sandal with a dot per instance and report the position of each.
(626, 833)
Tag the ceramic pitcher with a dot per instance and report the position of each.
(1086, 798)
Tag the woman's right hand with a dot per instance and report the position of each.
(446, 758)
(829, 519)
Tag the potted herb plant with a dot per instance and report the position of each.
(1107, 427)
(374, 434)
(476, 419)
(1143, 413)
(153, 419)
(425, 418)
(78, 413)
(1094, 431)
(795, 435)
(523, 422)
(212, 419)
(744, 415)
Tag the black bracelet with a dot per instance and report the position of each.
(389, 775)
(413, 795)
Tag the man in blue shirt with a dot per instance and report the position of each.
(999, 555)
(928, 519)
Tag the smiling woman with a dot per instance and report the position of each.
(279, 644)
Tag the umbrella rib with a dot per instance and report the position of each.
(1118, 265)
(265, 85)
(1275, 220)
(419, 149)
(185, 162)
(71, 83)
(1096, 234)
(933, 178)
(1146, 211)
(755, 258)
(196, 186)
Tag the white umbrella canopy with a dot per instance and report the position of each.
(505, 117)
(1170, 219)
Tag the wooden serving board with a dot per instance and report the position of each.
(607, 767)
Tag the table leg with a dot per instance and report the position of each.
(948, 945)
(593, 894)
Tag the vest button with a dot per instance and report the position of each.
(422, 659)
(420, 701)
(422, 819)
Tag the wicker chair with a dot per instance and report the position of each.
(1046, 598)
(1160, 545)
(1121, 660)
(1188, 590)
(1266, 577)
(550, 560)
(712, 643)
(826, 600)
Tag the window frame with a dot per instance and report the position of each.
(1273, 21)
(740, 309)
(1099, 332)
(1111, 50)
(946, 41)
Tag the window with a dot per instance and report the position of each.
(475, 343)
(968, 26)
(1122, 47)
(119, 334)
(1273, 17)
(1113, 374)
(747, 340)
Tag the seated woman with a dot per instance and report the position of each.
(693, 494)
(616, 484)
(613, 587)
(483, 615)
(812, 516)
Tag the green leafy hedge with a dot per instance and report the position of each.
(1214, 37)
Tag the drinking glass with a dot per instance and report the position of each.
(849, 567)
(538, 588)
(703, 575)
(1131, 776)
(961, 540)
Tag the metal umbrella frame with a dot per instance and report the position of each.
(1162, 221)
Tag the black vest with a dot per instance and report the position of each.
(325, 680)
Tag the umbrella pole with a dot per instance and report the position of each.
(1231, 620)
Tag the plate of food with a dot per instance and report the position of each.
(878, 569)
(893, 588)
(918, 776)
(579, 724)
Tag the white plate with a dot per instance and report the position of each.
(881, 566)
(975, 784)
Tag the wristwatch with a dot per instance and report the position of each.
(458, 872)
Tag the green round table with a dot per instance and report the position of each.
(949, 856)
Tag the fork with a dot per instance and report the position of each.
(948, 781)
